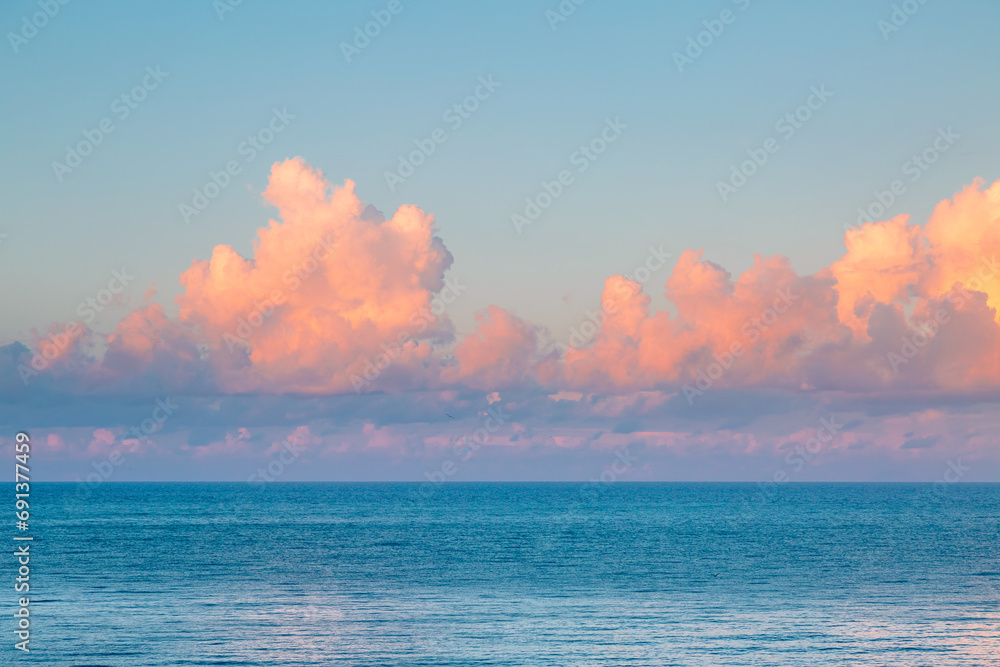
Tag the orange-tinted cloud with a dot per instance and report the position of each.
(327, 285)
(964, 236)
(883, 261)
(335, 298)
(501, 351)
(846, 327)
(759, 326)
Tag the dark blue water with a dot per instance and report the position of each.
(514, 574)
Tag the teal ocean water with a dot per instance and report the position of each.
(514, 574)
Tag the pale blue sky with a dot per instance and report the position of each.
(654, 186)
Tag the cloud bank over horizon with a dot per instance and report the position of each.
(340, 315)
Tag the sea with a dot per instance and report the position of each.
(144, 575)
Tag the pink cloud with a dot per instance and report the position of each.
(232, 443)
(103, 440)
(501, 351)
(335, 299)
(326, 286)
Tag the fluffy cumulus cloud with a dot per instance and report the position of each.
(501, 352)
(752, 329)
(905, 306)
(331, 289)
(336, 299)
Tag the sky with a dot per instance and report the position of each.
(399, 240)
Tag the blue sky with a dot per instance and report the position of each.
(352, 120)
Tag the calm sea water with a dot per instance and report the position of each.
(514, 574)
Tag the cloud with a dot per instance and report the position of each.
(882, 262)
(905, 306)
(337, 299)
(327, 285)
(403, 436)
(756, 328)
(502, 350)
(919, 443)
